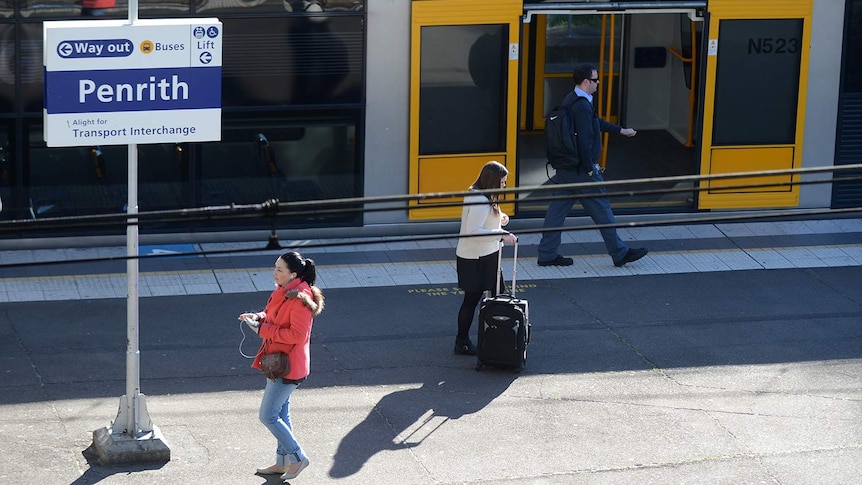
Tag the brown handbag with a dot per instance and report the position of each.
(274, 365)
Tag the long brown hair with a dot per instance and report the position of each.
(489, 178)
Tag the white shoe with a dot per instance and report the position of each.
(287, 475)
(272, 470)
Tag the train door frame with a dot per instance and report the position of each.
(533, 105)
(694, 9)
(724, 150)
(453, 161)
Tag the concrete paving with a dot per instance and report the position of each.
(735, 377)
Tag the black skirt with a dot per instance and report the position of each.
(478, 274)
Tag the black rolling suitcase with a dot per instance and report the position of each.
(504, 327)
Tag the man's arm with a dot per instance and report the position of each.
(612, 128)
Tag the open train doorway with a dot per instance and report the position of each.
(648, 62)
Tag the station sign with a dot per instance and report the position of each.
(109, 82)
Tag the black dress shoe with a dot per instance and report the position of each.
(558, 261)
(464, 347)
(633, 254)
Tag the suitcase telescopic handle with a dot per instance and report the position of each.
(499, 267)
(514, 267)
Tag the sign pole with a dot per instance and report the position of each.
(134, 399)
(132, 418)
(132, 437)
(126, 82)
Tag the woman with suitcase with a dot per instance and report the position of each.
(481, 231)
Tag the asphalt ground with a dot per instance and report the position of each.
(735, 377)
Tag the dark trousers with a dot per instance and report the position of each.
(599, 209)
(468, 310)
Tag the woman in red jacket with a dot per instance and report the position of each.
(285, 326)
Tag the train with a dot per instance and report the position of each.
(352, 99)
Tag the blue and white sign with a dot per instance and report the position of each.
(109, 82)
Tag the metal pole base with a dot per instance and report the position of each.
(117, 447)
(133, 418)
(132, 437)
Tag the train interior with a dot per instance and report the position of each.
(651, 87)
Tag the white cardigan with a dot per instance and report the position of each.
(479, 219)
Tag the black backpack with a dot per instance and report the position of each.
(561, 145)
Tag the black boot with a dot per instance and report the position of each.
(463, 346)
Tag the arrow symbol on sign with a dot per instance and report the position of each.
(64, 49)
(206, 57)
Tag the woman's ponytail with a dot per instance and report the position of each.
(309, 272)
(303, 267)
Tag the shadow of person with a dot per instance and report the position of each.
(406, 418)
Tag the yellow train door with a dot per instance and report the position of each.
(463, 95)
(754, 100)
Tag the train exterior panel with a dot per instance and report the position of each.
(331, 99)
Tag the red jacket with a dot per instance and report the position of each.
(286, 325)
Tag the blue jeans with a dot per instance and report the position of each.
(599, 209)
(275, 415)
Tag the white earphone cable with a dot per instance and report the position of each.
(243, 340)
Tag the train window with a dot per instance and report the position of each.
(7, 172)
(75, 181)
(7, 9)
(101, 8)
(852, 48)
(56, 8)
(68, 181)
(7, 68)
(344, 5)
(462, 87)
(162, 175)
(757, 82)
(279, 6)
(32, 72)
(685, 26)
(160, 8)
(274, 6)
(290, 162)
(72, 8)
(576, 39)
(292, 60)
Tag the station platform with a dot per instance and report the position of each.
(731, 354)
(240, 267)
